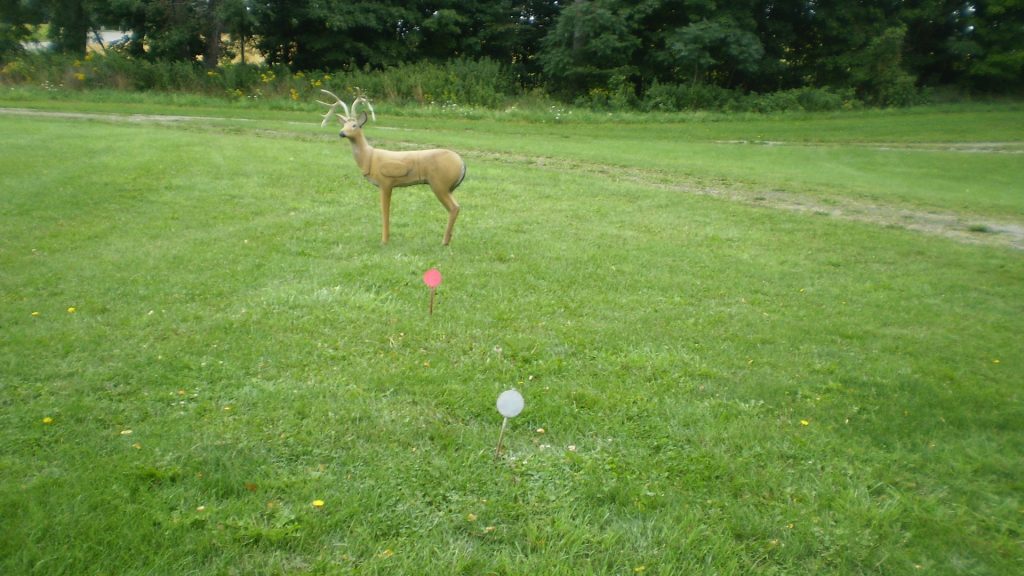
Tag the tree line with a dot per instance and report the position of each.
(882, 50)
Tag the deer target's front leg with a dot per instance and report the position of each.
(385, 213)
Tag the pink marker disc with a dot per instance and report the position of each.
(432, 278)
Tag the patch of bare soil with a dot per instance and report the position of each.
(143, 118)
(961, 227)
(969, 147)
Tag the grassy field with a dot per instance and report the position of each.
(740, 352)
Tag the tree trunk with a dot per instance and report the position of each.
(215, 26)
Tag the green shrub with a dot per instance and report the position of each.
(680, 97)
(460, 82)
(797, 100)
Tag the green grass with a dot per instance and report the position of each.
(723, 388)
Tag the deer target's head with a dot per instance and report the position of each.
(351, 121)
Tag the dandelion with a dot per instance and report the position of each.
(35, 314)
(489, 529)
(995, 360)
(126, 432)
(318, 503)
(805, 423)
(540, 430)
(200, 508)
(71, 309)
(639, 569)
(47, 420)
(471, 517)
(137, 446)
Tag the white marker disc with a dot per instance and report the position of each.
(510, 403)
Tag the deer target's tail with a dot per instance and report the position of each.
(461, 177)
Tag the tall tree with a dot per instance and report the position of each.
(991, 44)
(70, 22)
(718, 50)
(927, 49)
(331, 34)
(15, 18)
(238, 21)
(590, 44)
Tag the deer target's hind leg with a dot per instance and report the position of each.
(385, 214)
(452, 207)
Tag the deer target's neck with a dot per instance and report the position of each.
(361, 151)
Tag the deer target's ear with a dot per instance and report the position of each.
(362, 119)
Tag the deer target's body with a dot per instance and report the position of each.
(443, 170)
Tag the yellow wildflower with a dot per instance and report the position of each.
(318, 503)
(805, 423)
(47, 420)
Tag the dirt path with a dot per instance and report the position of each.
(961, 227)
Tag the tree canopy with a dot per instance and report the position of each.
(876, 47)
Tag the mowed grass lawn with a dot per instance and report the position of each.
(209, 364)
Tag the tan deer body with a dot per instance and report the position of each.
(442, 169)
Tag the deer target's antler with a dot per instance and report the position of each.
(363, 100)
(333, 107)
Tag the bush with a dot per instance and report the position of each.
(459, 83)
(463, 82)
(679, 97)
(797, 100)
(880, 78)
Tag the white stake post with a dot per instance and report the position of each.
(510, 404)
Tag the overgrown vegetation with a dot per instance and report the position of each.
(473, 83)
